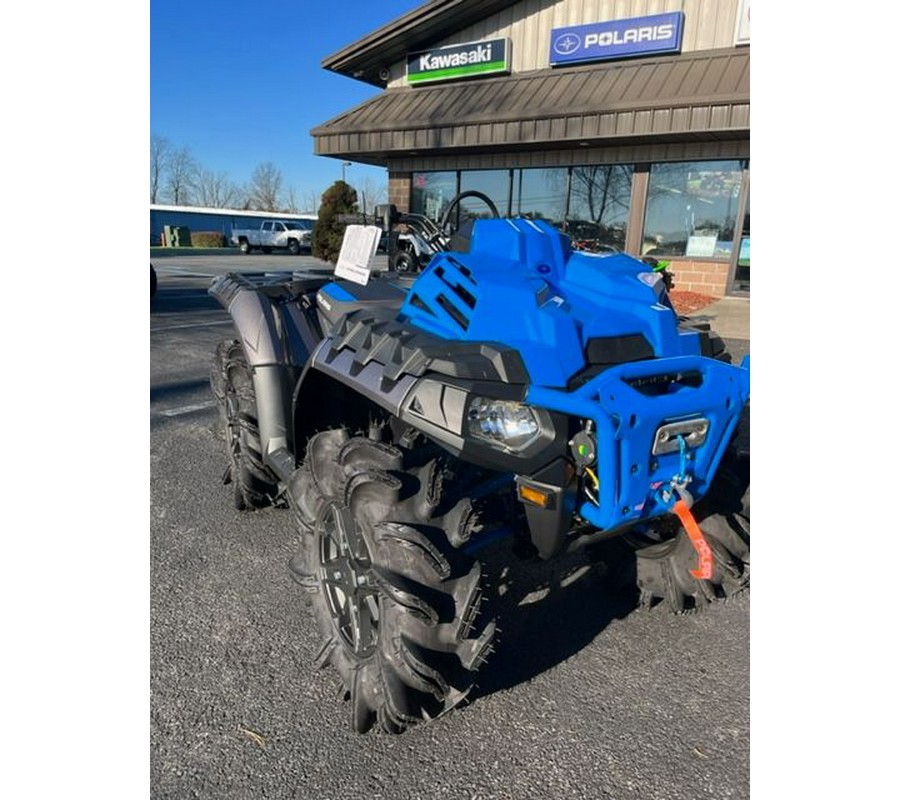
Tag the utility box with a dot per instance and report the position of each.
(176, 236)
(182, 236)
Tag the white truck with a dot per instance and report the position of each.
(295, 235)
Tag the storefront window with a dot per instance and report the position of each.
(598, 206)
(691, 208)
(432, 192)
(491, 182)
(540, 194)
(742, 273)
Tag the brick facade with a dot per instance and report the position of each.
(706, 277)
(400, 190)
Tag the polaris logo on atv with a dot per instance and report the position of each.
(659, 33)
(459, 61)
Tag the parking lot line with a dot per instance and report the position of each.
(191, 325)
(177, 412)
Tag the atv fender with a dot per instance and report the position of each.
(421, 379)
(277, 331)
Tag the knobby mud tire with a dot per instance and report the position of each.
(664, 569)
(255, 485)
(423, 629)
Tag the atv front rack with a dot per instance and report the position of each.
(629, 405)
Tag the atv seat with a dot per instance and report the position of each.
(336, 299)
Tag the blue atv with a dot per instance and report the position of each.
(514, 387)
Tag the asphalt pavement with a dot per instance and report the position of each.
(585, 697)
(728, 316)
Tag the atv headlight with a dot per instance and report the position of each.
(504, 424)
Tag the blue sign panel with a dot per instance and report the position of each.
(660, 33)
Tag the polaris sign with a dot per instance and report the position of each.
(459, 61)
(660, 33)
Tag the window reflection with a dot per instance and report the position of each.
(540, 194)
(491, 182)
(432, 193)
(599, 205)
(691, 209)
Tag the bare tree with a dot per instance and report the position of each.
(181, 176)
(371, 194)
(291, 207)
(312, 199)
(215, 189)
(601, 192)
(160, 151)
(265, 187)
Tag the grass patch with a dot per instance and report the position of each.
(163, 252)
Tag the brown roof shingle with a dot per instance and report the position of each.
(694, 95)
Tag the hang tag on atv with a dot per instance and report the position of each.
(357, 255)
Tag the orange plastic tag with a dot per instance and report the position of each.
(704, 572)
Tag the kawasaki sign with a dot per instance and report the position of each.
(660, 33)
(459, 61)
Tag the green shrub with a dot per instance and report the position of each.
(207, 239)
(328, 233)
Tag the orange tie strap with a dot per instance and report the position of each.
(704, 572)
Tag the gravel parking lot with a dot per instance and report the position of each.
(585, 697)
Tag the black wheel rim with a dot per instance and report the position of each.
(347, 581)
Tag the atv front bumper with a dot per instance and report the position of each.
(637, 412)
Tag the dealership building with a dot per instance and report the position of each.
(623, 122)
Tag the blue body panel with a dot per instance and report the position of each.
(530, 291)
(521, 285)
(338, 292)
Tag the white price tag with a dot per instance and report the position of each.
(358, 253)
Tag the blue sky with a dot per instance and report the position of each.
(240, 83)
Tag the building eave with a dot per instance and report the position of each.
(418, 29)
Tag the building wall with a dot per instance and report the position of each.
(213, 220)
(399, 187)
(705, 277)
(708, 24)
(617, 154)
